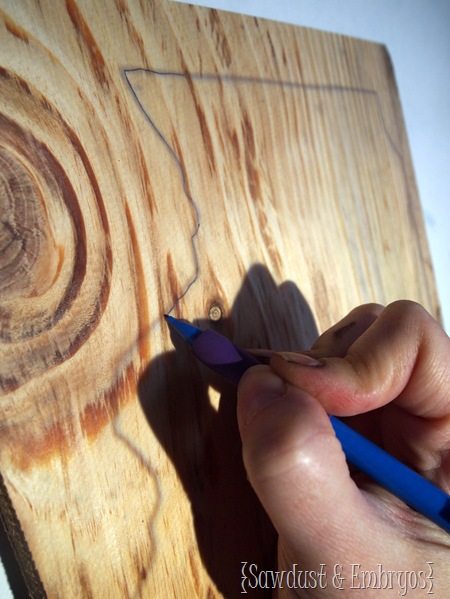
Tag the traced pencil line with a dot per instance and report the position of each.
(248, 79)
(146, 464)
(184, 184)
(331, 87)
(224, 78)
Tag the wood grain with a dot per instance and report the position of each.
(159, 157)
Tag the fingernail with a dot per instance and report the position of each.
(301, 359)
(268, 389)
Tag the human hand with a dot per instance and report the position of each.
(388, 371)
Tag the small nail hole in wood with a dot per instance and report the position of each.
(215, 313)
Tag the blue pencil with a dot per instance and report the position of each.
(221, 355)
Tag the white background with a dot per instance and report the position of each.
(417, 34)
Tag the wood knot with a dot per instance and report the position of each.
(53, 285)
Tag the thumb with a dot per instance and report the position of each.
(297, 467)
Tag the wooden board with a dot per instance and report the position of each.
(156, 156)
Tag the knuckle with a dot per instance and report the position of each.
(405, 308)
(410, 316)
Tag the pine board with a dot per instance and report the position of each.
(158, 157)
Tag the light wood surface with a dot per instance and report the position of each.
(149, 152)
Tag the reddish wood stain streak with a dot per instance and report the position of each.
(249, 138)
(8, 76)
(88, 43)
(98, 414)
(123, 114)
(206, 136)
(84, 582)
(253, 179)
(15, 30)
(32, 450)
(298, 60)
(250, 155)
(195, 573)
(123, 9)
(221, 38)
(174, 283)
(140, 291)
(272, 48)
(143, 171)
(233, 137)
(61, 252)
(274, 255)
(135, 36)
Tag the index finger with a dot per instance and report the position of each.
(404, 356)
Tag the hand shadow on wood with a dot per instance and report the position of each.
(204, 443)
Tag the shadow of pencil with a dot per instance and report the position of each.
(204, 444)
